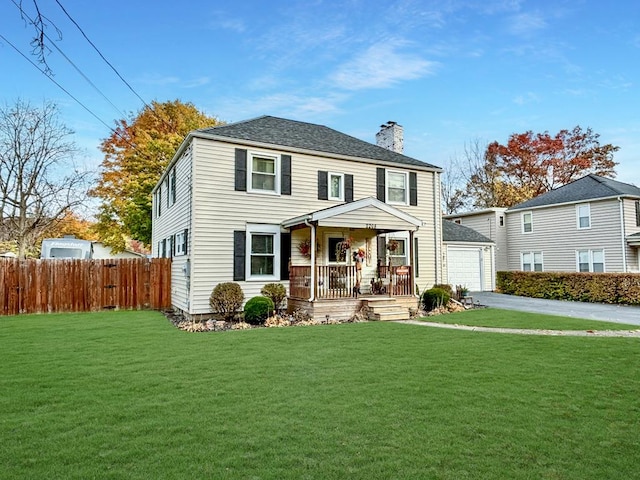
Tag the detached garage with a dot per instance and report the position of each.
(469, 257)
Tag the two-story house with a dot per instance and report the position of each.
(275, 200)
(589, 225)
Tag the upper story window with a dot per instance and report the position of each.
(531, 261)
(527, 222)
(336, 186)
(263, 173)
(172, 188)
(501, 221)
(583, 214)
(159, 201)
(590, 260)
(397, 187)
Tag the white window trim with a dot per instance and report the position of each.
(400, 236)
(340, 197)
(263, 229)
(406, 187)
(276, 159)
(590, 250)
(523, 223)
(588, 205)
(533, 260)
(180, 244)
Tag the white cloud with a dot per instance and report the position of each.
(526, 24)
(526, 98)
(381, 65)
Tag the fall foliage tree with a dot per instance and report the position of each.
(136, 153)
(530, 164)
(39, 181)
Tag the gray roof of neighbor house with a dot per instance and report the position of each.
(308, 136)
(590, 187)
(453, 232)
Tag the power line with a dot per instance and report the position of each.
(33, 22)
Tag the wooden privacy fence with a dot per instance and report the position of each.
(41, 286)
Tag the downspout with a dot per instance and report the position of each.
(436, 222)
(312, 281)
(624, 246)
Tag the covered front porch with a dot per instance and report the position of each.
(352, 253)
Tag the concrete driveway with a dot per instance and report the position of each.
(590, 311)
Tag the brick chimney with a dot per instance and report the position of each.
(391, 137)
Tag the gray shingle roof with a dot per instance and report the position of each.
(453, 232)
(309, 136)
(589, 187)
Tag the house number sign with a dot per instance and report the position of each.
(372, 226)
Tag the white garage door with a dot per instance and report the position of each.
(464, 267)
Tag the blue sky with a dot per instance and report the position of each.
(450, 71)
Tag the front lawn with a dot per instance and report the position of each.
(495, 317)
(126, 395)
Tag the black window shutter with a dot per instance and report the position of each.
(323, 185)
(382, 250)
(285, 255)
(285, 173)
(173, 246)
(164, 248)
(186, 240)
(637, 213)
(348, 187)
(416, 270)
(413, 188)
(380, 182)
(239, 248)
(241, 170)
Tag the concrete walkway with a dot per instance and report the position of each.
(591, 311)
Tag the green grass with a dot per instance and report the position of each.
(494, 317)
(124, 395)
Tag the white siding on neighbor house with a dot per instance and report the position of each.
(219, 210)
(556, 234)
(173, 220)
(630, 227)
(488, 224)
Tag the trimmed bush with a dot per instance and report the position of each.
(276, 292)
(446, 287)
(435, 298)
(226, 299)
(257, 310)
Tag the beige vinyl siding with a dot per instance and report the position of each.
(176, 219)
(364, 217)
(556, 235)
(218, 210)
(488, 224)
(630, 228)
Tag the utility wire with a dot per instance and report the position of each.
(52, 42)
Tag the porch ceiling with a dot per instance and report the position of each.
(367, 213)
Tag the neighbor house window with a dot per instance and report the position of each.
(263, 173)
(172, 187)
(590, 260)
(531, 261)
(583, 213)
(397, 187)
(336, 186)
(263, 247)
(502, 220)
(527, 222)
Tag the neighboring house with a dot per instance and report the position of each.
(469, 258)
(101, 251)
(589, 225)
(490, 222)
(276, 200)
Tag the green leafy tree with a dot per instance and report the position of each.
(135, 155)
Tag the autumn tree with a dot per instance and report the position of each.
(136, 154)
(39, 181)
(532, 164)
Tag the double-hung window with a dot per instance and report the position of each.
(527, 222)
(397, 187)
(263, 251)
(583, 215)
(336, 186)
(590, 260)
(264, 173)
(181, 243)
(531, 261)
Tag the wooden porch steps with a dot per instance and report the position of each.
(385, 309)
